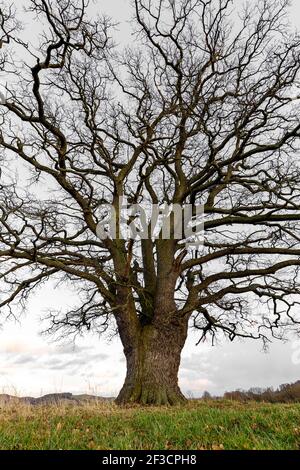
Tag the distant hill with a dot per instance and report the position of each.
(51, 398)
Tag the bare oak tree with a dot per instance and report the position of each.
(200, 108)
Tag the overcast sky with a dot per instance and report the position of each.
(31, 364)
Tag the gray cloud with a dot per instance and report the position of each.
(239, 365)
(61, 358)
(72, 349)
(21, 359)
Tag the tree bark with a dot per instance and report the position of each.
(152, 366)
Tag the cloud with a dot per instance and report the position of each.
(31, 365)
(22, 359)
(19, 347)
(71, 348)
(230, 366)
(69, 358)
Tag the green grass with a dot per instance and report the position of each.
(198, 425)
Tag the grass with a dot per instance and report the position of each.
(198, 425)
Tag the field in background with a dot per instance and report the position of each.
(198, 425)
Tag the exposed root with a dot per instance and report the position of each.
(150, 395)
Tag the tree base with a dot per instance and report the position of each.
(150, 395)
(152, 368)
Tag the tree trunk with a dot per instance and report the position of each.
(152, 366)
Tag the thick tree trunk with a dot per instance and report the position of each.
(152, 367)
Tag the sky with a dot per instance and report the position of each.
(35, 364)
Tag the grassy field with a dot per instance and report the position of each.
(198, 425)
